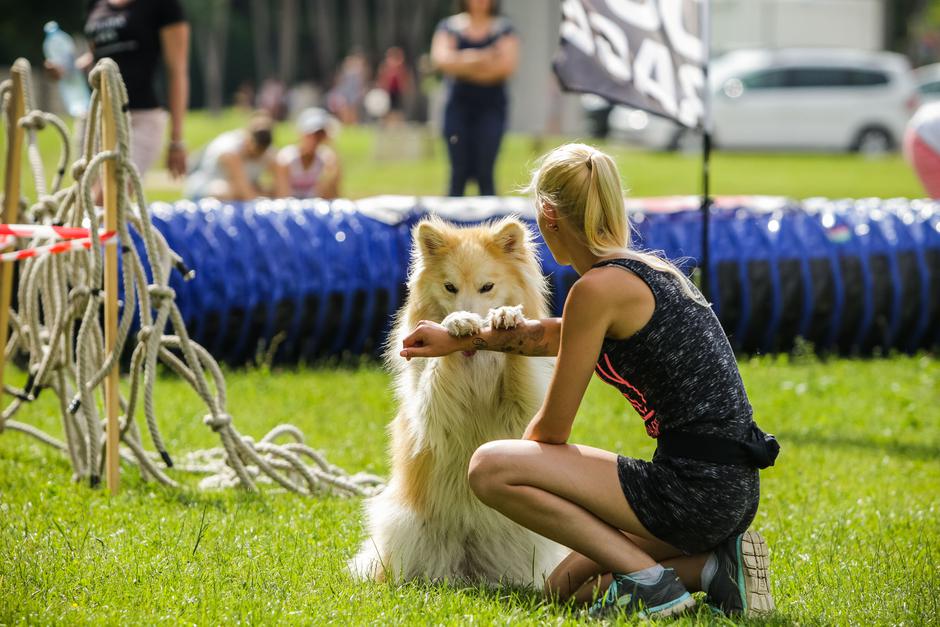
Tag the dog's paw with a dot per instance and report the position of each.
(505, 317)
(461, 323)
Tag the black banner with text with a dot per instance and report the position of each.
(647, 54)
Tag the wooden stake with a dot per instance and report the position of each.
(111, 390)
(11, 198)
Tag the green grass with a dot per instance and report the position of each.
(851, 511)
(645, 173)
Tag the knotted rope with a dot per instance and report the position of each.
(56, 291)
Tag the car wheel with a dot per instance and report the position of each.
(873, 142)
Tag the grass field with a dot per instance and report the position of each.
(645, 173)
(852, 511)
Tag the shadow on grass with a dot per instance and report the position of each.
(910, 450)
(530, 600)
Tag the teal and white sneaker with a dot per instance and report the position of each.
(741, 584)
(667, 597)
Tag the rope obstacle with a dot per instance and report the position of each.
(67, 277)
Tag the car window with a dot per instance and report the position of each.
(930, 88)
(765, 79)
(820, 77)
(868, 77)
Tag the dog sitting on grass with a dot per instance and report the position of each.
(427, 523)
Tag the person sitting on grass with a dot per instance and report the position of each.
(232, 165)
(649, 532)
(309, 168)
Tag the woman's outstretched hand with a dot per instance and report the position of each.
(429, 339)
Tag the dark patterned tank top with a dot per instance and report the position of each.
(678, 372)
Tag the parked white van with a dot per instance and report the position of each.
(795, 99)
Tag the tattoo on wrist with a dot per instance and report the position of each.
(524, 340)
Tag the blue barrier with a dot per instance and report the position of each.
(310, 279)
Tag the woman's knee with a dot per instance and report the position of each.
(487, 472)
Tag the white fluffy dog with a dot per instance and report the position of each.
(427, 522)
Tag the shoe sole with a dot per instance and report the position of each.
(755, 575)
(679, 608)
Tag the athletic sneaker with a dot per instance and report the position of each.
(741, 584)
(666, 597)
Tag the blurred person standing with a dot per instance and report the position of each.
(136, 35)
(394, 79)
(922, 146)
(477, 51)
(310, 168)
(345, 99)
(233, 164)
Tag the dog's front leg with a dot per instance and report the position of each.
(463, 323)
(505, 317)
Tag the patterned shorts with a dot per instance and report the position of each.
(690, 504)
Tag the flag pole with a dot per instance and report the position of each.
(705, 262)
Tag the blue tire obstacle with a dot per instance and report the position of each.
(307, 280)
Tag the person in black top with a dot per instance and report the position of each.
(477, 51)
(137, 35)
(654, 531)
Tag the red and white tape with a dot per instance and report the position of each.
(60, 247)
(42, 230)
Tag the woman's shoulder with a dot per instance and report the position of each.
(610, 281)
(287, 154)
(458, 24)
(454, 24)
(502, 26)
(228, 141)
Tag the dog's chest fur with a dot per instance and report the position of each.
(462, 402)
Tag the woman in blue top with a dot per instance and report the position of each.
(477, 51)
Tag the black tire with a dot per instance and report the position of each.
(873, 140)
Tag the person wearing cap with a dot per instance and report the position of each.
(310, 168)
(232, 165)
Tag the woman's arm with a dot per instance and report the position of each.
(281, 179)
(174, 40)
(474, 64)
(328, 187)
(240, 187)
(501, 63)
(533, 338)
(584, 325)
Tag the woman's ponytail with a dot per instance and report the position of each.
(583, 184)
(605, 218)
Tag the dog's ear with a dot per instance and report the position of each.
(510, 236)
(430, 238)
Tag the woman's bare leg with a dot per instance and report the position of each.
(571, 494)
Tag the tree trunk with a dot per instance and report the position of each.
(416, 41)
(261, 33)
(359, 24)
(215, 38)
(386, 25)
(287, 40)
(323, 26)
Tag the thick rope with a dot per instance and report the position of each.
(58, 292)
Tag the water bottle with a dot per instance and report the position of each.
(60, 49)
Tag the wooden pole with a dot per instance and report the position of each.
(11, 191)
(111, 390)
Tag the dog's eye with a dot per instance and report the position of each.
(450, 288)
(486, 288)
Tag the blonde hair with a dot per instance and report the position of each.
(583, 185)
